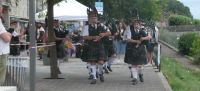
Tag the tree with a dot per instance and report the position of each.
(176, 7)
(121, 10)
(53, 58)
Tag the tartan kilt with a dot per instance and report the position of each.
(109, 50)
(93, 53)
(60, 50)
(135, 56)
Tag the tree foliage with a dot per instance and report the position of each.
(195, 50)
(196, 22)
(176, 7)
(148, 9)
(121, 10)
(175, 20)
(185, 42)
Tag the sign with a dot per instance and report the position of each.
(99, 7)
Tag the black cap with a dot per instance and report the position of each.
(134, 14)
(92, 11)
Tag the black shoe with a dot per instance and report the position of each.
(97, 75)
(94, 81)
(90, 77)
(58, 70)
(131, 75)
(134, 81)
(106, 70)
(101, 77)
(141, 77)
(109, 68)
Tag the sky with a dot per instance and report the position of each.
(194, 6)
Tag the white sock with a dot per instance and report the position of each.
(58, 62)
(89, 68)
(135, 72)
(140, 70)
(130, 69)
(105, 64)
(97, 69)
(100, 67)
(110, 61)
(94, 71)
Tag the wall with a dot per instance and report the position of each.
(19, 9)
(186, 28)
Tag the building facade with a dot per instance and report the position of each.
(5, 14)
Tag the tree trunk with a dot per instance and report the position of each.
(53, 56)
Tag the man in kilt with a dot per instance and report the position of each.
(109, 47)
(93, 51)
(60, 37)
(135, 50)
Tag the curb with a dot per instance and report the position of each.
(164, 82)
(160, 74)
(168, 45)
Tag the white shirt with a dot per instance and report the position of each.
(4, 47)
(85, 31)
(41, 29)
(127, 32)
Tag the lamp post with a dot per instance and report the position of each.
(32, 32)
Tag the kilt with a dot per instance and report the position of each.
(109, 50)
(93, 53)
(60, 50)
(135, 56)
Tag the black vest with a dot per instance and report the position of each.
(95, 32)
(137, 35)
(14, 39)
(60, 34)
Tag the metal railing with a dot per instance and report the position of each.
(16, 74)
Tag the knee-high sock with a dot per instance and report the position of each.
(140, 70)
(135, 72)
(130, 69)
(100, 67)
(89, 68)
(58, 62)
(94, 71)
(105, 64)
(110, 61)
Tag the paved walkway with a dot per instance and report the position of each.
(75, 77)
(75, 74)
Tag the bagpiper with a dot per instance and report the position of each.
(93, 51)
(135, 54)
(109, 47)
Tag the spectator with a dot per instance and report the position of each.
(5, 38)
(60, 36)
(14, 49)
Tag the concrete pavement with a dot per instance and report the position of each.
(75, 77)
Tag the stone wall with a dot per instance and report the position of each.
(186, 28)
